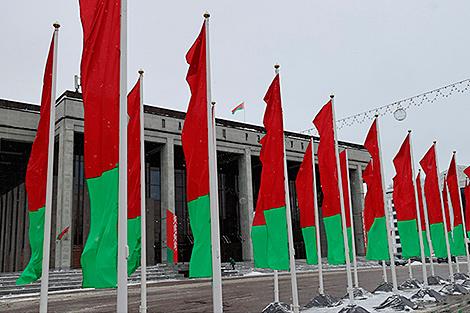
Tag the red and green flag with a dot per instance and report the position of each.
(100, 70)
(458, 236)
(196, 152)
(269, 231)
(445, 201)
(307, 202)
(134, 209)
(421, 215)
(62, 233)
(345, 183)
(433, 202)
(171, 237)
(467, 201)
(239, 107)
(36, 179)
(405, 201)
(331, 206)
(375, 227)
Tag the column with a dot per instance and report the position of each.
(357, 199)
(167, 160)
(246, 203)
(63, 253)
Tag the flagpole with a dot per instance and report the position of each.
(387, 215)
(420, 229)
(449, 259)
(123, 248)
(213, 190)
(451, 219)
(50, 167)
(143, 211)
(244, 114)
(343, 212)
(290, 236)
(463, 215)
(353, 241)
(317, 222)
(428, 230)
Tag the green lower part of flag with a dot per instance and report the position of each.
(377, 241)
(169, 255)
(310, 240)
(334, 239)
(236, 110)
(99, 257)
(409, 238)
(33, 270)
(278, 246)
(427, 252)
(468, 233)
(457, 246)
(200, 264)
(438, 240)
(259, 239)
(134, 243)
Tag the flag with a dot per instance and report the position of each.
(345, 181)
(196, 152)
(307, 202)
(422, 216)
(100, 70)
(36, 179)
(405, 201)
(171, 237)
(467, 202)
(134, 209)
(374, 212)
(66, 230)
(239, 107)
(433, 202)
(445, 200)
(331, 206)
(269, 231)
(458, 237)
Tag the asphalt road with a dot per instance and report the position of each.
(244, 294)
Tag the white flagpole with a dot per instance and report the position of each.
(387, 215)
(418, 217)
(449, 259)
(213, 190)
(50, 167)
(463, 215)
(343, 212)
(317, 222)
(244, 114)
(123, 248)
(276, 286)
(143, 211)
(290, 236)
(353, 241)
(451, 219)
(428, 230)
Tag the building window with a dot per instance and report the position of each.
(163, 123)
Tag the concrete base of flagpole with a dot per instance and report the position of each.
(383, 287)
(466, 283)
(353, 309)
(436, 280)
(398, 303)
(461, 276)
(453, 289)
(322, 300)
(428, 295)
(277, 307)
(410, 283)
(359, 294)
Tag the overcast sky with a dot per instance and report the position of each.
(368, 53)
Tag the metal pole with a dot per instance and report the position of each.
(276, 286)
(343, 212)
(213, 190)
(290, 236)
(384, 271)
(428, 230)
(317, 222)
(451, 219)
(387, 216)
(420, 230)
(50, 167)
(143, 211)
(449, 259)
(410, 271)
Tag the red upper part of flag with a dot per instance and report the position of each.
(36, 173)
(420, 202)
(195, 131)
(133, 153)
(327, 161)
(304, 186)
(100, 68)
(431, 186)
(271, 191)
(454, 191)
(240, 106)
(445, 200)
(403, 188)
(345, 181)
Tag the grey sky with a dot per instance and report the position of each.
(368, 53)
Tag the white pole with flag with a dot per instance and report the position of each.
(343, 212)
(50, 166)
(451, 219)
(213, 190)
(143, 222)
(290, 236)
(428, 230)
(387, 215)
(123, 249)
(418, 217)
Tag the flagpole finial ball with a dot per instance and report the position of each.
(409, 131)
(207, 15)
(276, 66)
(332, 96)
(434, 141)
(454, 152)
(376, 114)
(213, 102)
(141, 71)
(56, 24)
